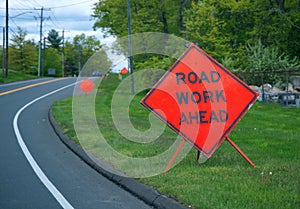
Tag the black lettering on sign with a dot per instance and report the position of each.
(182, 97)
(203, 77)
(208, 95)
(219, 94)
(183, 119)
(214, 117)
(197, 96)
(214, 76)
(223, 116)
(203, 117)
(192, 77)
(194, 116)
(180, 77)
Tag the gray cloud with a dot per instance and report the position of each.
(72, 16)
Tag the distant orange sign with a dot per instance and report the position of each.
(124, 70)
(86, 85)
(200, 99)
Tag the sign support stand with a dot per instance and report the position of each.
(235, 147)
(198, 154)
(240, 151)
(174, 156)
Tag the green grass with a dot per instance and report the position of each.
(16, 76)
(268, 134)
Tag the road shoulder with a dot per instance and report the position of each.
(146, 193)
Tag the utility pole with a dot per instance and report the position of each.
(6, 41)
(41, 36)
(63, 54)
(3, 53)
(130, 64)
(44, 52)
(40, 46)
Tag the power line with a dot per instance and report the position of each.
(69, 5)
(22, 3)
(55, 19)
(22, 18)
(16, 9)
(15, 25)
(52, 7)
(37, 3)
(54, 24)
(11, 30)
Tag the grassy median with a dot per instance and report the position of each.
(268, 134)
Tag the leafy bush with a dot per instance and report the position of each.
(265, 61)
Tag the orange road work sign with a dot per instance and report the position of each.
(87, 85)
(200, 99)
(124, 70)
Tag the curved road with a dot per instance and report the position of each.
(43, 172)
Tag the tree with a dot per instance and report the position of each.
(222, 28)
(52, 60)
(79, 51)
(85, 47)
(265, 61)
(54, 39)
(71, 67)
(275, 21)
(23, 53)
(98, 62)
(146, 16)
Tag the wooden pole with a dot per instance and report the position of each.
(6, 41)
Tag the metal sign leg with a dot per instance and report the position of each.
(241, 152)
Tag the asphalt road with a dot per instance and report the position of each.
(36, 169)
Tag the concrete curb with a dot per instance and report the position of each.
(146, 193)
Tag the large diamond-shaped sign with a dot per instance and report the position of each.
(200, 99)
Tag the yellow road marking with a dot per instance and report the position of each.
(29, 86)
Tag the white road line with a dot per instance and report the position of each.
(54, 191)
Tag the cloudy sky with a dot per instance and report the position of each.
(73, 16)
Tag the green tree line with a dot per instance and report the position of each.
(23, 53)
(233, 31)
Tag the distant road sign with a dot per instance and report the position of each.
(124, 70)
(87, 85)
(51, 71)
(200, 99)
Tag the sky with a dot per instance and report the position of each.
(71, 16)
